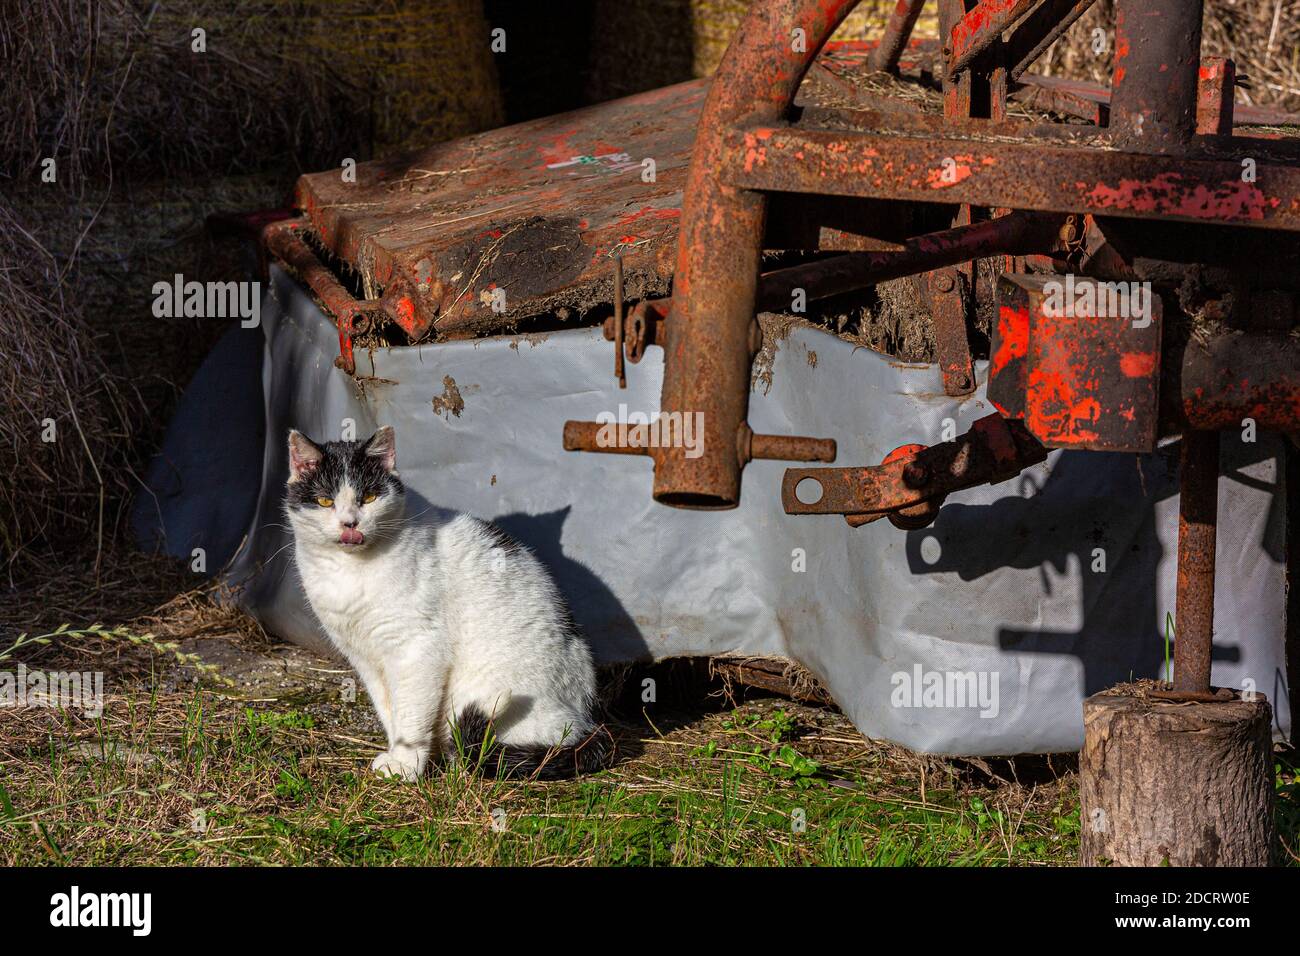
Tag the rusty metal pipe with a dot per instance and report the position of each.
(619, 372)
(1155, 74)
(789, 448)
(709, 345)
(1043, 27)
(284, 241)
(1014, 234)
(898, 30)
(979, 29)
(607, 438)
(1197, 523)
(1219, 383)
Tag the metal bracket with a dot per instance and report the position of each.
(994, 450)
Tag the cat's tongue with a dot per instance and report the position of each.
(351, 536)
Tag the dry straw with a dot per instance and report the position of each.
(148, 137)
(64, 423)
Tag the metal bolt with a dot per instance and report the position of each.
(915, 474)
(946, 282)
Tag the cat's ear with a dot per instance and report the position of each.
(383, 445)
(304, 456)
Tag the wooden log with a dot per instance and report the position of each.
(1176, 784)
(776, 675)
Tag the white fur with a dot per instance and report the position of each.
(434, 615)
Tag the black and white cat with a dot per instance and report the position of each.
(446, 620)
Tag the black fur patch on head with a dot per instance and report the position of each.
(340, 461)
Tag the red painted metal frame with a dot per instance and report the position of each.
(1020, 175)
(884, 58)
(710, 340)
(980, 28)
(1165, 171)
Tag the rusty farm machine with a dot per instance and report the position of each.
(1147, 187)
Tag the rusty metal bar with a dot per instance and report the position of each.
(1021, 175)
(786, 447)
(994, 450)
(1154, 77)
(957, 88)
(710, 341)
(619, 372)
(283, 240)
(980, 28)
(1015, 234)
(1214, 96)
(949, 293)
(1197, 523)
(973, 134)
(642, 439)
(1243, 113)
(884, 58)
(1043, 27)
(1054, 95)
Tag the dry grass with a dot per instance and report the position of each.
(64, 422)
(1262, 37)
(264, 763)
(116, 89)
(149, 137)
(269, 766)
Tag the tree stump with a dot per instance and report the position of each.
(1176, 784)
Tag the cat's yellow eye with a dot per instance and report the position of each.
(368, 498)
(325, 502)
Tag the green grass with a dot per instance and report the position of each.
(766, 783)
(263, 762)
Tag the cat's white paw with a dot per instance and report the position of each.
(401, 766)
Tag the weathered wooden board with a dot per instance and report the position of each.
(535, 210)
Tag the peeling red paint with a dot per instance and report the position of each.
(1137, 364)
(1013, 338)
(1176, 195)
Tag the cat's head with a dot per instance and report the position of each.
(344, 494)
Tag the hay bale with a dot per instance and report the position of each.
(143, 232)
(1263, 39)
(65, 425)
(641, 44)
(715, 21)
(116, 87)
(150, 136)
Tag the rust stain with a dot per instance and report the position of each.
(450, 400)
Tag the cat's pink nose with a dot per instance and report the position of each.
(351, 536)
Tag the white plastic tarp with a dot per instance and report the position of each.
(1022, 598)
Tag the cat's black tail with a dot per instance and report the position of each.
(480, 748)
